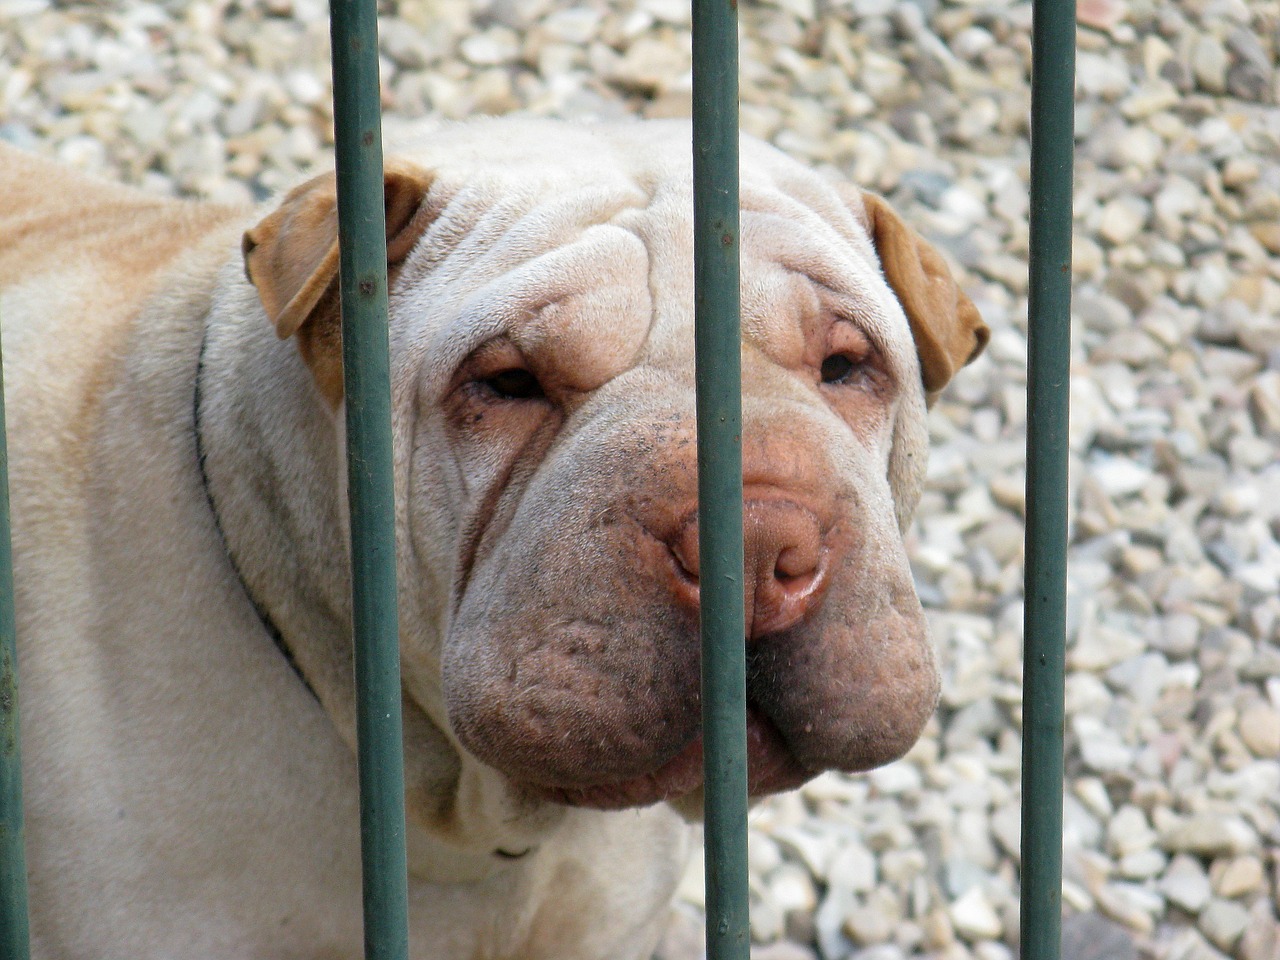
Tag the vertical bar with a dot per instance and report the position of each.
(1049, 344)
(719, 400)
(13, 860)
(363, 272)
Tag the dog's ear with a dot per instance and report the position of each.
(946, 325)
(291, 257)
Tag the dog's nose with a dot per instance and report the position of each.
(783, 551)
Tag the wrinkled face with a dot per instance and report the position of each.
(546, 328)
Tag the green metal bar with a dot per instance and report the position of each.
(719, 399)
(363, 271)
(13, 860)
(1049, 345)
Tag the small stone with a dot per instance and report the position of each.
(1123, 219)
(972, 42)
(1128, 832)
(1101, 748)
(1259, 334)
(1130, 904)
(576, 25)
(1260, 730)
(1139, 149)
(1240, 876)
(791, 889)
(1141, 865)
(1209, 62)
(1239, 171)
(1102, 76)
(853, 868)
(1151, 97)
(814, 850)
(649, 66)
(896, 779)
(492, 47)
(1223, 922)
(869, 924)
(1185, 884)
(974, 918)
(1209, 835)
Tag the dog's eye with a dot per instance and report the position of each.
(838, 368)
(515, 384)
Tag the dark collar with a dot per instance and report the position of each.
(272, 630)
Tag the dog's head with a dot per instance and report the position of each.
(542, 349)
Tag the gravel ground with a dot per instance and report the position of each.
(1173, 693)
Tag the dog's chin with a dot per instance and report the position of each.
(771, 768)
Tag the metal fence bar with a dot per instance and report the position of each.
(1049, 345)
(13, 859)
(363, 272)
(719, 415)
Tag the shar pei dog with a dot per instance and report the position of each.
(176, 421)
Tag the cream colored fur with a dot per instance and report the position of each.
(187, 795)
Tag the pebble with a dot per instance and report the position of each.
(974, 918)
(1209, 62)
(1208, 835)
(1223, 922)
(1260, 724)
(1173, 674)
(1130, 904)
(1185, 884)
(1128, 833)
(874, 921)
(1237, 877)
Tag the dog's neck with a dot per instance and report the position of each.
(263, 616)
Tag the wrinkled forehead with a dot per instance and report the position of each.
(593, 225)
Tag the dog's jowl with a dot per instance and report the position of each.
(175, 396)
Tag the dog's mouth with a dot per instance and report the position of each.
(771, 768)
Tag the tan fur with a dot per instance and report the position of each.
(174, 463)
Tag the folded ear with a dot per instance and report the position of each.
(946, 325)
(291, 257)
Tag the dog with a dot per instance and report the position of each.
(178, 487)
